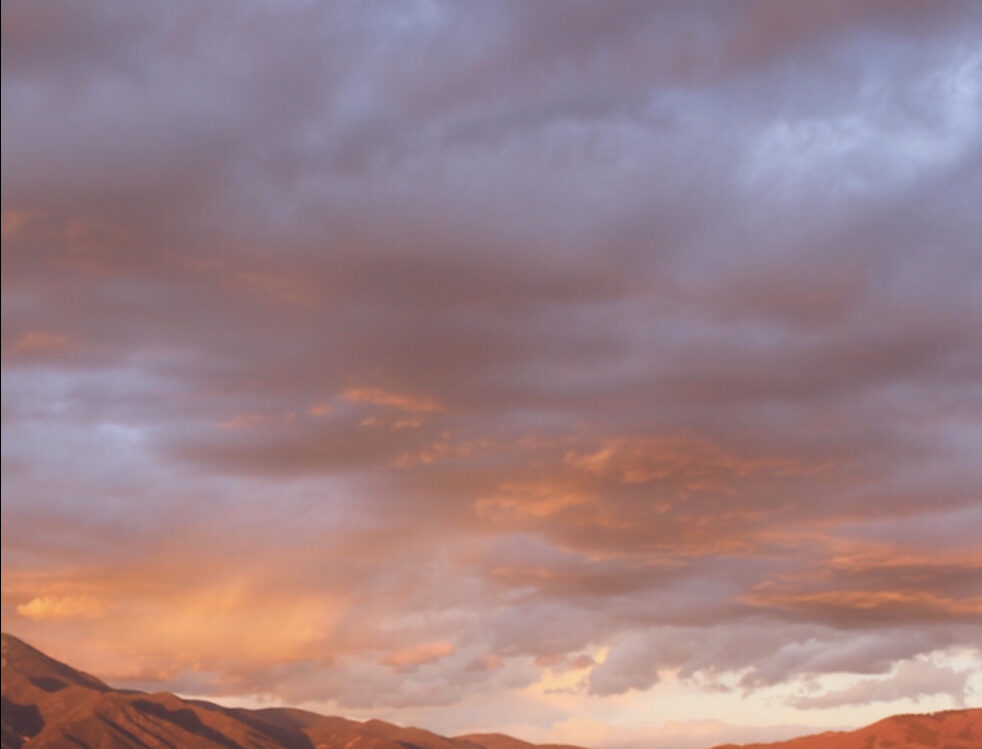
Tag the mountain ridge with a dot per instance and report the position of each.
(50, 705)
(946, 729)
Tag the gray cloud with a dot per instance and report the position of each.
(910, 680)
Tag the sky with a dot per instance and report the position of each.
(606, 373)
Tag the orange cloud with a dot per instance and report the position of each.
(891, 559)
(39, 342)
(417, 655)
(276, 286)
(886, 601)
(485, 663)
(13, 221)
(168, 617)
(696, 463)
(62, 607)
(241, 421)
(380, 397)
(435, 453)
(535, 499)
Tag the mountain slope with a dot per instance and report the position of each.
(49, 705)
(951, 729)
(502, 741)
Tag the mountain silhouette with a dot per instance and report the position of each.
(50, 705)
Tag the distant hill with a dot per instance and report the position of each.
(951, 729)
(49, 705)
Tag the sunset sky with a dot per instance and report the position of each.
(604, 373)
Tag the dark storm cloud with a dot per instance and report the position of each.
(649, 329)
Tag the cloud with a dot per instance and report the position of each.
(34, 342)
(379, 397)
(695, 464)
(541, 500)
(735, 657)
(911, 679)
(624, 669)
(424, 652)
(543, 331)
(62, 607)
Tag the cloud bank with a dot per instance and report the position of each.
(393, 356)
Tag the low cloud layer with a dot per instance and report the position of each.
(392, 358)
(911, 679)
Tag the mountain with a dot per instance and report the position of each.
(501, 741)
(49, 705)
(950, 729)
